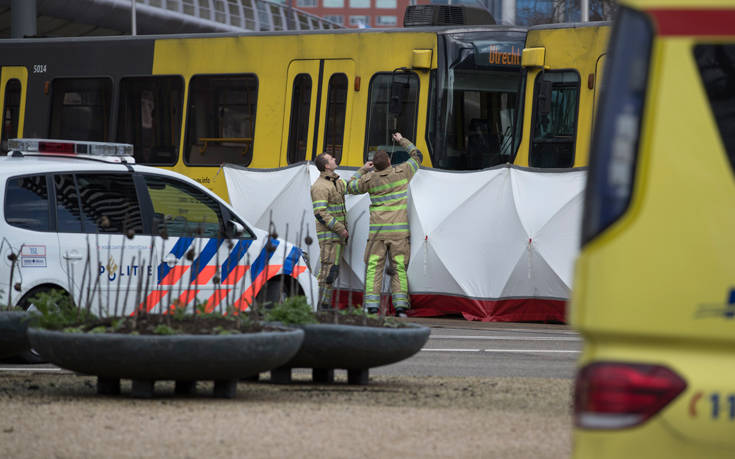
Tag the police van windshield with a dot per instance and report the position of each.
(477, 100)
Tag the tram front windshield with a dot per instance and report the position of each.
(477, 100)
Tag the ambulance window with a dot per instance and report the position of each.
(109, 203)
(183, 210)
(10, 112)
(393, 104)
(80, 109)
(298, 130)
(220, 123)
(336, 106)
(717, 68)
(26, 203)
(555, 108)
(68, 212)
(149, 117)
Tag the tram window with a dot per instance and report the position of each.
(381, 122)
(479, 127)
(149, 117)
(80, 109)
(221, 119)
(11, 112)
(336, 105)
(716, 64)
(298, 130)
(555, 121)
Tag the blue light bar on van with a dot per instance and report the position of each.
(71, 147)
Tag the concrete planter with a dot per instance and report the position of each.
(13, 338)
(327, 347)
(185, 359)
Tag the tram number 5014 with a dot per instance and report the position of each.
(39, 68)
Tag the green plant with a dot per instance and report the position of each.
(57, 311)
(294, 311)
(164, 329)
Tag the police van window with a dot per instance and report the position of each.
(80, 109)
(183, 210)
(298, 129)
(393, 102)
(555, 111)
(109, 203)
(26, 203)
(221, 120)
(716, 63)
(68, 210)
(336, 106)
(149, 117)
(11, 112)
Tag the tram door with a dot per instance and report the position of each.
(13, 82)
(320, 105)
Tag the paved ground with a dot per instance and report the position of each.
(60, 415)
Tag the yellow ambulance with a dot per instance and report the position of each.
(654, 289)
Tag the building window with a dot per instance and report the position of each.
(359, 3)
(335, 124)
(333, 3)
(306, 3)
(360, 21)
(337, 19)
(149, 117)
(80, 109)
(386, 4)
(386, 21)
(221, 119)
(298, 131)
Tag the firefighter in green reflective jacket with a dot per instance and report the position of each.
(328, 199)
(389, 233)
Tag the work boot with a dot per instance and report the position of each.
(401, 312)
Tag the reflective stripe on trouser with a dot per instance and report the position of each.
(329, 255)
(375, 256)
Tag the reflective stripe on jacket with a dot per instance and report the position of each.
(327, 198)
(388, 191)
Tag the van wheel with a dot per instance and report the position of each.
(31, 355)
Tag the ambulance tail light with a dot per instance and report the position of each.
(116, 152)
(615, 395)
(615, 142)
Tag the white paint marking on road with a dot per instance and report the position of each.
(452, 350)
(506, 338)
(28, 369)
(522, 351)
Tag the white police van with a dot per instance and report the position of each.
(121, 238)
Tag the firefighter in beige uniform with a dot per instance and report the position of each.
(389, 233)
(328, 199)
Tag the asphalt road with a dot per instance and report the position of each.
(458, 348)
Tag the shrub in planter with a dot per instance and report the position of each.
(348, 339)
(184, 347)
